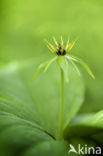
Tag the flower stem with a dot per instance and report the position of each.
(62, 105)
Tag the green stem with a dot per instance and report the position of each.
(62, 106)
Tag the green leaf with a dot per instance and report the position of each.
(87, 127)
(16, 86)
(58, 148)
(27, 108)
(51, 148)
(84, 65)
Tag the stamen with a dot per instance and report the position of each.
(61, 41)
(55, 41)
(50, 49)
(51, 46)
(67, 43)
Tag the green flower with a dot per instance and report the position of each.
(62, 56)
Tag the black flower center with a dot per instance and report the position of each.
(61, 51)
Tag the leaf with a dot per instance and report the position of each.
(27, 108)
(84, 65)
(59, 148)
(16, 133)
(48, 89)
(51, 148)
(86, 128)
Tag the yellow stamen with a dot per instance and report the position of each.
(51, 46)
(50, 49)
(55, 41)
(67, 43)
(67, 47)
(71, 45)
(61, 41)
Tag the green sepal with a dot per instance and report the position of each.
(49, 63)
(73, 63)
(76, 59)
(39, 68)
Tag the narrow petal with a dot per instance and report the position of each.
(49, 63)
(76, 68)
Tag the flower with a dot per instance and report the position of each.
(59, 48)
(62, 57)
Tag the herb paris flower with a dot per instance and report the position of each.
(62, 57)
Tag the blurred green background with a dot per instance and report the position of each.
(24, 24)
